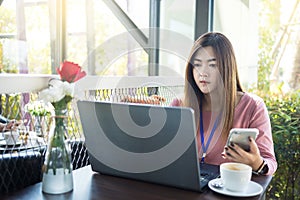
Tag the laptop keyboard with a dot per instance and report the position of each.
(206, 177)
(207, 173)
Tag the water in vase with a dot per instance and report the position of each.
(57, 184)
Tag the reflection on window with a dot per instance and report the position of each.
(31, 40)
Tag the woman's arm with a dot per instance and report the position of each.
(254, 114)
(264, 141)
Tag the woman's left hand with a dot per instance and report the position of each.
(235, 153)
(11, 125)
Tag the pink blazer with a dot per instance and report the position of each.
(251, 112)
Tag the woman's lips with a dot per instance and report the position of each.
(204, 82)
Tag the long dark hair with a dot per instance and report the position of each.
(227, 67)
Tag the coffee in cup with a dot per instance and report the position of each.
(235, 176)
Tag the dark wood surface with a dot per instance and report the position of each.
(91, 185)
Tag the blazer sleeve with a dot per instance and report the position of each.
(260, 119)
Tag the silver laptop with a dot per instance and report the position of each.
(144, 142)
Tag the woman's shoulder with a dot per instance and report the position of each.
(251, 111)
(250, 100)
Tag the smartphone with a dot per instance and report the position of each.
(240, 136)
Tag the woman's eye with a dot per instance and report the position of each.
(197, 65)
(212, 65)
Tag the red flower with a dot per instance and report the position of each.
(70, 72)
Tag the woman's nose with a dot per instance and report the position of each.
(203, 74)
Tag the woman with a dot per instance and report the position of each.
(213, 90)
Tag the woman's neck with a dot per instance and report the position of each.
(211, 103)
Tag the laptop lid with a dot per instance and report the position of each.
(143, 142)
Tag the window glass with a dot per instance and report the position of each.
(31, 44)
(24, 37)
(137, 10)
(265, 37)
(177, 23)
(87, 32)
(7, 32)
(238, 20)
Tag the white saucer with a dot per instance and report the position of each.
(252, 190)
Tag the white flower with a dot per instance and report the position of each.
(39, 108)
(68, 88)
(57, 91)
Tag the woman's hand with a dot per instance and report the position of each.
(236, 154)
(11, 125)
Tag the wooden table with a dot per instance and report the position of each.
(91, 185)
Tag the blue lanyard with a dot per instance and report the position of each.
(205, 147)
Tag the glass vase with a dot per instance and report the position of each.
(57, 168)
(38, 125)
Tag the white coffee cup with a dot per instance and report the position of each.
(235, 176)
(11, 137)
